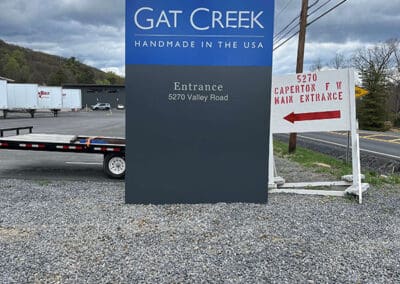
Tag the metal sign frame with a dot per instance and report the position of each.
(354, 184)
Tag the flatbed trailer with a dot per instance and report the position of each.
(112, 148)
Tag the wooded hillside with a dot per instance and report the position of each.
(27, 66)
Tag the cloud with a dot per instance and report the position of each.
(93, 30)
(369, 21)
(355, 24)
(285, 57)
(119, 71)
(362, 20)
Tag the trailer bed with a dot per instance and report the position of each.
(62, 138)
(41, 138)
(113, 148)
(62, 143)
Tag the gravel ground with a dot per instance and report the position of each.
(68, 232)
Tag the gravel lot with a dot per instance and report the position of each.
(69, 231)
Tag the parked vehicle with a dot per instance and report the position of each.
(30, 97)
(3, 95)
(101, 106)
(112, 148)
(120, 106)
(22, 98)
(71, 99)
(50, 98)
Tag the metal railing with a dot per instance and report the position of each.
(16, 129)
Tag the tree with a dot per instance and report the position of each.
(374, 65)
(85, 76)
(338, 62)
(102, 82)
(16, 67)
(58, 78)
(113, 78)
(24, 74)
(11, 68)
(19, 56)
(317, 65)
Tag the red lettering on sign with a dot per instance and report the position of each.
(283, 100)
(321, 97)
(295, 89)
(327, 86)
(306, 78)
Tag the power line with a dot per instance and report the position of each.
(289, 38)
(284, 8)
(278, 37)
(313, 4)
(327, 12)
(313, 21)
(287, 26)
(283, 37)
(319, 8)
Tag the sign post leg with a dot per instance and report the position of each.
(348, 147)
(356, 165)
(271, 164)
(355, 140)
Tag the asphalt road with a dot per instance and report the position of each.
(60, 166)
(72, 166)
(378, 143)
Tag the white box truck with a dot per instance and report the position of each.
(71, 99)
(22, 97)
(3, 96)
(50, 98)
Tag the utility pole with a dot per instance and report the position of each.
(300, 60)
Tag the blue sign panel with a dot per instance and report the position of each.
(199, 33)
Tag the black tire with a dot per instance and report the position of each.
(114, 165)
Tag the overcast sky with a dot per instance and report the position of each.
(93, 30)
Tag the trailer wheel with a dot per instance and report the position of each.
(32, 113)
(55, 112)
(114, 165)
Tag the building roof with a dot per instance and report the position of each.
(91, 86)
(7, 79)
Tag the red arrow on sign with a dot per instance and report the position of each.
(293, 117)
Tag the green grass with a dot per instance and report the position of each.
(337, 168)
(43, 182)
